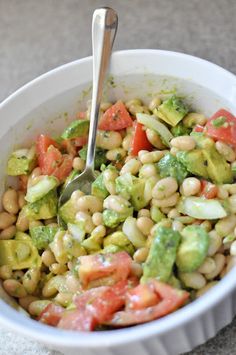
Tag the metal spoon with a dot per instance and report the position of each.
(104, 27)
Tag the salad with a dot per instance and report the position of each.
(156, 232)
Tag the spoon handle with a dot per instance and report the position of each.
(104, 27)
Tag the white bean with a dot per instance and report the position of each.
(126, 143)
(132, 166)
(226, 225)
(108, 139)
(116, 203)
(154, 139)
(208, 266)
(183, 143)
(233, 249)
(115, 154)
(14, 288)
(151, 157)
(193, 280)
(86, 219)
(215, 243)
(8, 233)
(164, 188)
(226, 151)
(148, 170)
(97, 218)
(6, 220)
(191, 186)
(89, 203)
(78, 164)
(167, 202)
(194, 118)
(220, 262)
(203, 290)
(145, 225)
(10, 201)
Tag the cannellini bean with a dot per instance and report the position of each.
(164, 188)
(72, 283)
(116, 203)
(206, 225)
(194, 118)
(105, 106)
(154, 139)
(231, 262)
(155, 102)
(222, 193)
(231, 188)
(183, 143)
(135, 101)
(31, 280)
(10, 201)
(36, 307)
(33, 176)
(144, 213)
(232, 203)
(26, 301)
(141, 255)
(151, 157)
(215, 243)
(193, 280)
(8, 233)
(226, 225)
(220, 262)
(89, 204)
(33, 224)
(173, 213)
(64, 299)
(6, 220)
(97, 218)
(48, 257)
(53, 286)
(109, 177)
(226, 151)
(14, 288)
(174, 151)
(132, 166)
(233, 249)
(21, 199)
(148, 170)
(208, 266)
(108, 139)
(203, 290)
(133, 109)
(86, 219)
(126, 143)
(78, 164)
(22, 223)
(116, 154)
(191, 186)
(145, 225)
(58, 269)
(177, 226)
(17, 275)
(5, 272)
(167, 202)
(136, 269)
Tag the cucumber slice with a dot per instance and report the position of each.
(76, 129)
(200, 208)
(153, 123)
(41, 188)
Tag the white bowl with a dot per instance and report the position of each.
(44, 105)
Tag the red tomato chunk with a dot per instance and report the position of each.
(222, 126)
(115, 118)
(51, 314)
(140, 141)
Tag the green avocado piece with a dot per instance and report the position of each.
(172, 110)
(19, 254)
(44, 208)
(170, 166)
(68, 211)
(162, 255)
(193, 248)
(77, 128)
(112, 218)
(41, 188)
(194, 162)
(119, 239)
(21, 162)
(43, 235)
(100, 156)
(99, 188)
(180, 130)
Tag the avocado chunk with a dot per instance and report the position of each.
(193, 248)
(42, 236)
(21, 162)
(19, 254)
(44, 208)
(41, 188)
(98, 187)
(132, 188)
(112, 218)
(120, 240)
(180, 130)
(77, 128)
(100, 156)
(194, 162)
(170, 166)
(162, 255)
(172, 110)
(153, 122)
(68, 211)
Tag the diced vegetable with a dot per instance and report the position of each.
(208, 190)
(172, 110)
(99, 188)
(222, 126)
(201, 208)
(180, 130)
(193, 248)
(44, 208)
(132, 232)
(42, 236)
(170, 166)
(162, 255)
(153, 123)
(100, 156)
(194, 162)
(21, 162)
(139, 141)
(76, 129)
(41, 188)
(51, 314)
(115, 118)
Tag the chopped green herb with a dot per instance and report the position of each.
(219, 121)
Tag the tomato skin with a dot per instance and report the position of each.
(115, 118)
(140, 141)
(51, 159)
(42, 144)
(98, 269)
(198, 128)
(171, 299)
(51, 314)
(208, 190)
(23, 181)
(142, 296)
(61, 172)
(77, 320)
(225, 134)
